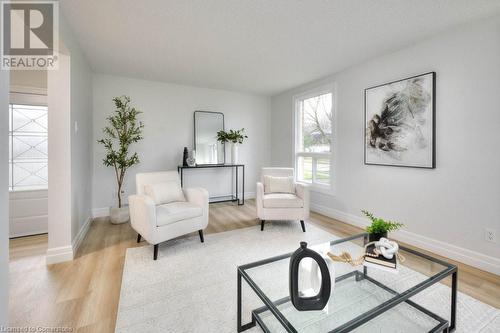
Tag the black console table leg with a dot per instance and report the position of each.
(236, 181)
(243, 186)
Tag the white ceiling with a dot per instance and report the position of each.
(261, 46)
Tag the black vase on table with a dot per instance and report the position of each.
(185, 157)
(318, 301)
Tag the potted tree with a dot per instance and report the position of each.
(123, 130)
(379, 227)
(236, 137)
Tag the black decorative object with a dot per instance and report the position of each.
(318, 301)
(185, 157)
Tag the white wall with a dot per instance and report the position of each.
(168, 119)
(81, 139)
(59, 200)
(4, 198)
(70, 148)
(80, 128)
(457, 200)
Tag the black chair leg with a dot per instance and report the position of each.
(138, 238)
(155, 255)
(201, 236)
(262, 225)
(302, 224)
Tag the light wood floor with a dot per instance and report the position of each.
(84, 293)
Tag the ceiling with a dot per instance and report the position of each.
(259, 46)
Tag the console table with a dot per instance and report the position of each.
(232, 197)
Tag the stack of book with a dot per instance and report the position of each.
(379, 261)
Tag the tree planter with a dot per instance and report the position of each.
(376, 237)
(119, 215)
(123, 130)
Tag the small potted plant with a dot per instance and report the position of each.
(379, 227)
(236, 137)
(123, 130)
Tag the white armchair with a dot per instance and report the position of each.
(282, 206)
(159, 223)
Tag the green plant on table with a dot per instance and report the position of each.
(234, 136)
(379, 225)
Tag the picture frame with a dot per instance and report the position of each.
(400, 122)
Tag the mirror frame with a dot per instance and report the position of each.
(223, 128)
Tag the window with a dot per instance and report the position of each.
(314, 138)
(28, 156)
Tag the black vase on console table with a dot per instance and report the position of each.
(185, 157)
(318, 301)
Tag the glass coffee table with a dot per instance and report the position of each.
(364, 299)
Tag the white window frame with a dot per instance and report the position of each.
(27, 96)
(315, 186)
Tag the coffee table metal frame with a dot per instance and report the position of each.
(272, 306)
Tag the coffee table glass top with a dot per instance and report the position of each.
(359, 296)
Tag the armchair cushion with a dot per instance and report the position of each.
(278, 184)
(282, 200)
(165, 192)
(176, 211)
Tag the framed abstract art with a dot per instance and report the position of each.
(400, 122)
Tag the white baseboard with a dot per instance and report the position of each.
(59, 254)
(249, 195)
(30, 233)
(81, 234)
(104, 211)
(466, 256)
(67, 253)
(100, 212)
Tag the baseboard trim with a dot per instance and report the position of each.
(30, 235)
(27, 234)
(249, 195)
(100, 212)
(59, 254)
(104, 211)
(466, 256)
(81, 235)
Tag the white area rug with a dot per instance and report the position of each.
(192, 286)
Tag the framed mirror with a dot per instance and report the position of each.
(208, 149)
